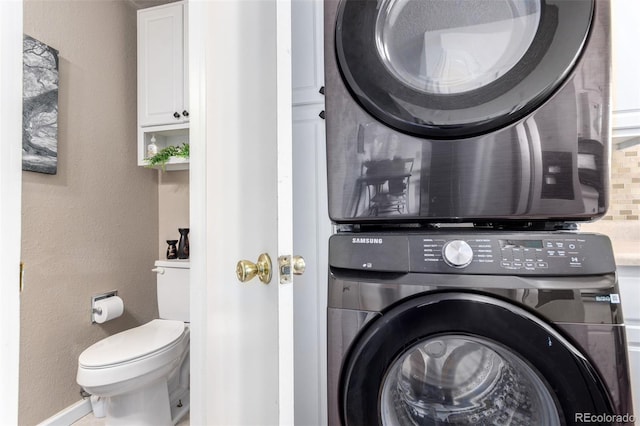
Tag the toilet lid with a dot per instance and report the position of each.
(132, 344)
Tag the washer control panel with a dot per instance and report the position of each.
(475, 252)
(507, 253)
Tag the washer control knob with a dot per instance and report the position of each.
(457, 253)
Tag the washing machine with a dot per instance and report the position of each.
(467, 111)
(457, 326)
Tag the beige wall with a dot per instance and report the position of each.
(93, 227)
(173, 204)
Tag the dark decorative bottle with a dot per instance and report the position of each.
(183, 245)
(172, 250)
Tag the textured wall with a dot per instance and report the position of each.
(93, 227)
(173, 204)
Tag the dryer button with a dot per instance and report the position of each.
(457, 253)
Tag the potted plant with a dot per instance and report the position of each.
(165, 154)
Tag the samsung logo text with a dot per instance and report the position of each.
(366, 240)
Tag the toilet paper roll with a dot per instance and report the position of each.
(108, 309)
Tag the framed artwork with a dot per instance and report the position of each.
(39, 107)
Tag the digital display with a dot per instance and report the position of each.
(521, 244)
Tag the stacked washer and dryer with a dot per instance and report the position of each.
(465, 142)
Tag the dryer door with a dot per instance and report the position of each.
(457, 358)
(449, 69)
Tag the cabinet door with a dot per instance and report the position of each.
(307, 52)
(626, 67)
(161, 64)
(311, 231)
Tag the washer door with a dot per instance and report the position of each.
(448, 69)
(456, 358)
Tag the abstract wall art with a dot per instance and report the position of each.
(39, 107)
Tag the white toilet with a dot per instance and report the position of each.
(142, 374)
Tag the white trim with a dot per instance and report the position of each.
(10, 204)
(323, 232)
(69, 415)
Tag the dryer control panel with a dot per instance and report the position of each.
(479, 252)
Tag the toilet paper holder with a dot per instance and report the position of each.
(97, 310)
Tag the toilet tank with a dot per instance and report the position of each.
(173, 289)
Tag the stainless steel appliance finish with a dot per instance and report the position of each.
(466, 326)
(458, 111)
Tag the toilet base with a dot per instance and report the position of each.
(147, 406)
(180, 408)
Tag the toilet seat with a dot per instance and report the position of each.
(143, 353)
(131, 345)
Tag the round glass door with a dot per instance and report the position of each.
(457, 379)
(447, 47)
(465, 359)
(449, 69)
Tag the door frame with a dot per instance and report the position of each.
(197, 208)
(10, 203)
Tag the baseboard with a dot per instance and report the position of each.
(69, 415)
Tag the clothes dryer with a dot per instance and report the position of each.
(457, 110)
(458, 327)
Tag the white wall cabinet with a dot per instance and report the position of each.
(163, 88)
(162, 80)
(626, 68)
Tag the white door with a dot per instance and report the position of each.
(242, 333)
(10, 193)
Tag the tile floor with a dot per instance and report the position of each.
(90, 420)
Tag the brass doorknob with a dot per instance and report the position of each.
(246, 270)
